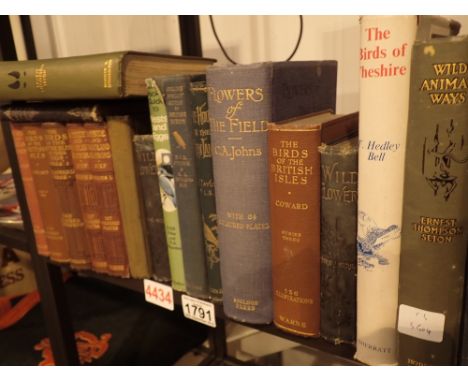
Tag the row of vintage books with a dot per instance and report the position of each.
(242, 185)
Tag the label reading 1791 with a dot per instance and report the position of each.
(159, 294)
(199, 310)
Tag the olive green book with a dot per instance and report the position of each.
(96, 76)
(435, 205)
(121, 142)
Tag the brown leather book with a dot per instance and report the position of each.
(102, 169)
(87, 195)
(295, 226)
(294, 177)
(49, 202)
(29, 189)
(62, 172)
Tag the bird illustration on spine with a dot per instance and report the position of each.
(166, 180)
(371, 239)
(446, 151)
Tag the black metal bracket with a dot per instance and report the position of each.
(190, 38)
(48, 277)
(7, 43)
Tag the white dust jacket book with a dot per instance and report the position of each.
(385, 57)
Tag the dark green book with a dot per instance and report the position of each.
(435, 205)
(464, 345)
(338, 230)
(178, 102)
(147, 171)
(204, 167)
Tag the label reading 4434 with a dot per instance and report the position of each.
(159, 294)
(199, 310)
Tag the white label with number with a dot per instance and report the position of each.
(421, 324)
(199, 310)
(159, 294)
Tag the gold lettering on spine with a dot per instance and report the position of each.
(292, 322)
(40, 77)
(238, 99)
(340, 183)
(293, 296)
(107, 74)
(437, 230)
(247, 94)
(244, 304)
(449, 87)
(200, 114)
(413, 362)
(242, 221)
(289, 167)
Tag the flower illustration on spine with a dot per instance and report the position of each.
(371, 239)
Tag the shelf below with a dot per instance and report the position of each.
(344, 351)
(15, 238)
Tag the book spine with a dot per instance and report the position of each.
(148, 176)
(29, 189)
(63, 177)
(49, 202)
(339, 177)
(178, 101)
(242, 100)
(102, 169)
(240, 147)
(386, 43)
(464, 344)
(162, 147)
(51, 112)
(204, 165)
(121, 143)
(87, 195)
(435, 213)
(294, 180)
(85, 77)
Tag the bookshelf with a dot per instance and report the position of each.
(59, 323)
(55, 306)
